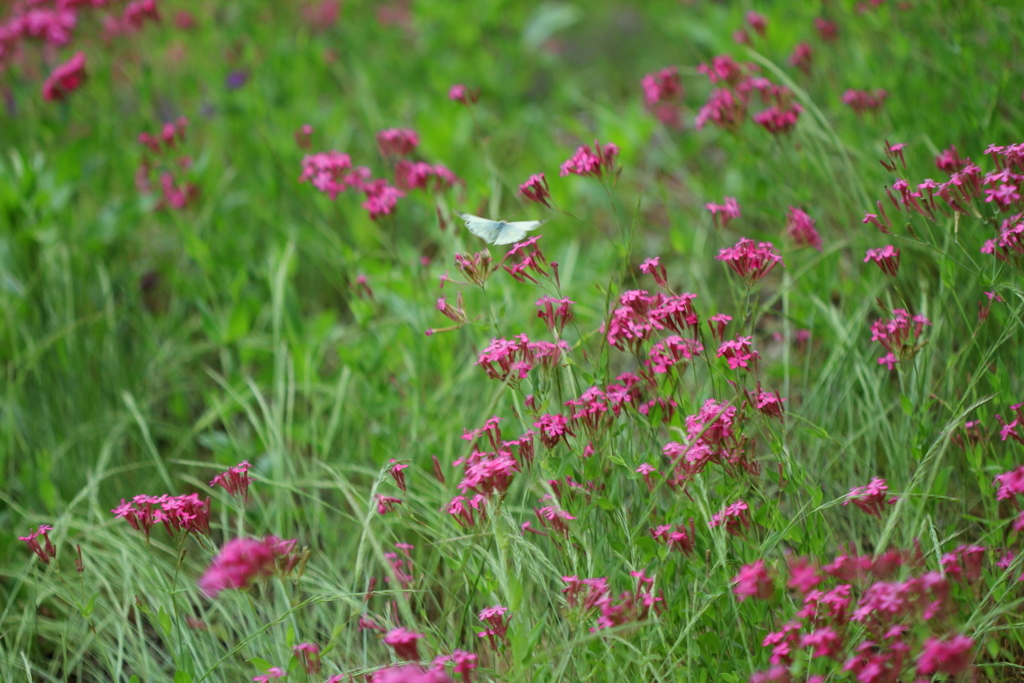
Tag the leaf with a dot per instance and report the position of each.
(87, 610)
(182, 677)
(261, 664)
(165, 620)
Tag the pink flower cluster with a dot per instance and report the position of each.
(177, 192)
(721, 214)
(663, 92)
(887, 258)
(526, 257)
(679, 539)
(712, 436)
(45, 552)
(535, 189)
(727, 106)
(863, 100)
(332, 173)
(871, 498)
(885, 646)
(898, 336)
(597, 161)
(177, 513)
(242, 560)
(640, 314)
(630, 606)
(514, 358)
(750, 260)
(800, 229)
(734, 517)
(235, 480)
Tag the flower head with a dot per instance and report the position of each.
(45, 552)
(235, 480)
(404, 643)
(800, 229)
(65, 79)
(750, 260)
(241, 561)
(397, 142)
(535, 189)
(594, 162)
(753, 581)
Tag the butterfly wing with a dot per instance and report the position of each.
(485, 229)
(513, 232)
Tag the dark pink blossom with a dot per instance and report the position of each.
(735, 517)
(243, 560)
(757, 22)
(45, 552)
(397, 142)
(721, 214)
(753, 581)
(653, 267)
(871, 498)
(951, 655)
(800, 228)
(828, 30)
(65, 79)
(404, 643)
(802, 57)
(235, 480)
(535, 189)
(309, 656)
(750, 260)
(887, 258)
(738, 353)
(862, 100)
(594, 162)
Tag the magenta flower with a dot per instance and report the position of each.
(802, 57)
(555, 312)
(862, 100)
(717, 323)
(779, 120)
(949, 160)
(177, 513)
(241, 561)
(680, 539)
(828, 30)
(381, 198)
(410, 674)
(327, 172)
(950, 656)
(887, 258)
(463, 95)
(138, 12)
(870, 498)
(723, 109)
(397, 471)
(595, 162)
(404, 643)
(803, 575)
(235, 480)
(899, 335)
(728, 211)
(45, 552)
(800, 229)
(419, 175)
(757, 22)
(671, 352)
(309, 655)
(768, 404)
(554, 519)
(734, 517)
(273, 673)
(753, 581)
(497, 625)
(304, 136)
(386, 504)
(738, 353)
(750, 260)
(1011, 484)
(397, 142)
(65, 79)
(552, 429)
(653, 267)
(535, 189)
(662, 86)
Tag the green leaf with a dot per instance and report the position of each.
(87, 610)
(261, 664)
(182, 677)
(165, 620)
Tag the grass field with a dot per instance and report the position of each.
(746, 405)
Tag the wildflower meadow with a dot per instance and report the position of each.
(421, 341)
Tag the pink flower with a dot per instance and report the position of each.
(887, 258)
(596, 162)
(241, 561)
(729, 210)
(498, 624)
(753, 581)
(327, 171)
(386, 504)
(949, 160)
(46, 552)
(273, 673)
(552, 429)
(899, 335)
(463, 95)
(235, 480)
(397, 142)
(309, 655)
(138, 12)
(950, 656)
(801, 57)
(750, 260)
(717, 323)
(738, 353)
(734, 517)
(410, 674)
(555, 312)
(653, 267)
(803, 575)
(661, 86)
(535, 189)
(825, 642)
(404, 643)
(65, 79)
(176, 513)
(862, 100)
(723, 109)
(304, 136)
(870, 498)
(397, 472)
(800, 229)
(756, 21)
(419, 175)
(322, 15)
(768, 404)
(381, 198)
(828, 30)
(1011, 484)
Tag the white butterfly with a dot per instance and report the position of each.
(498, 232)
